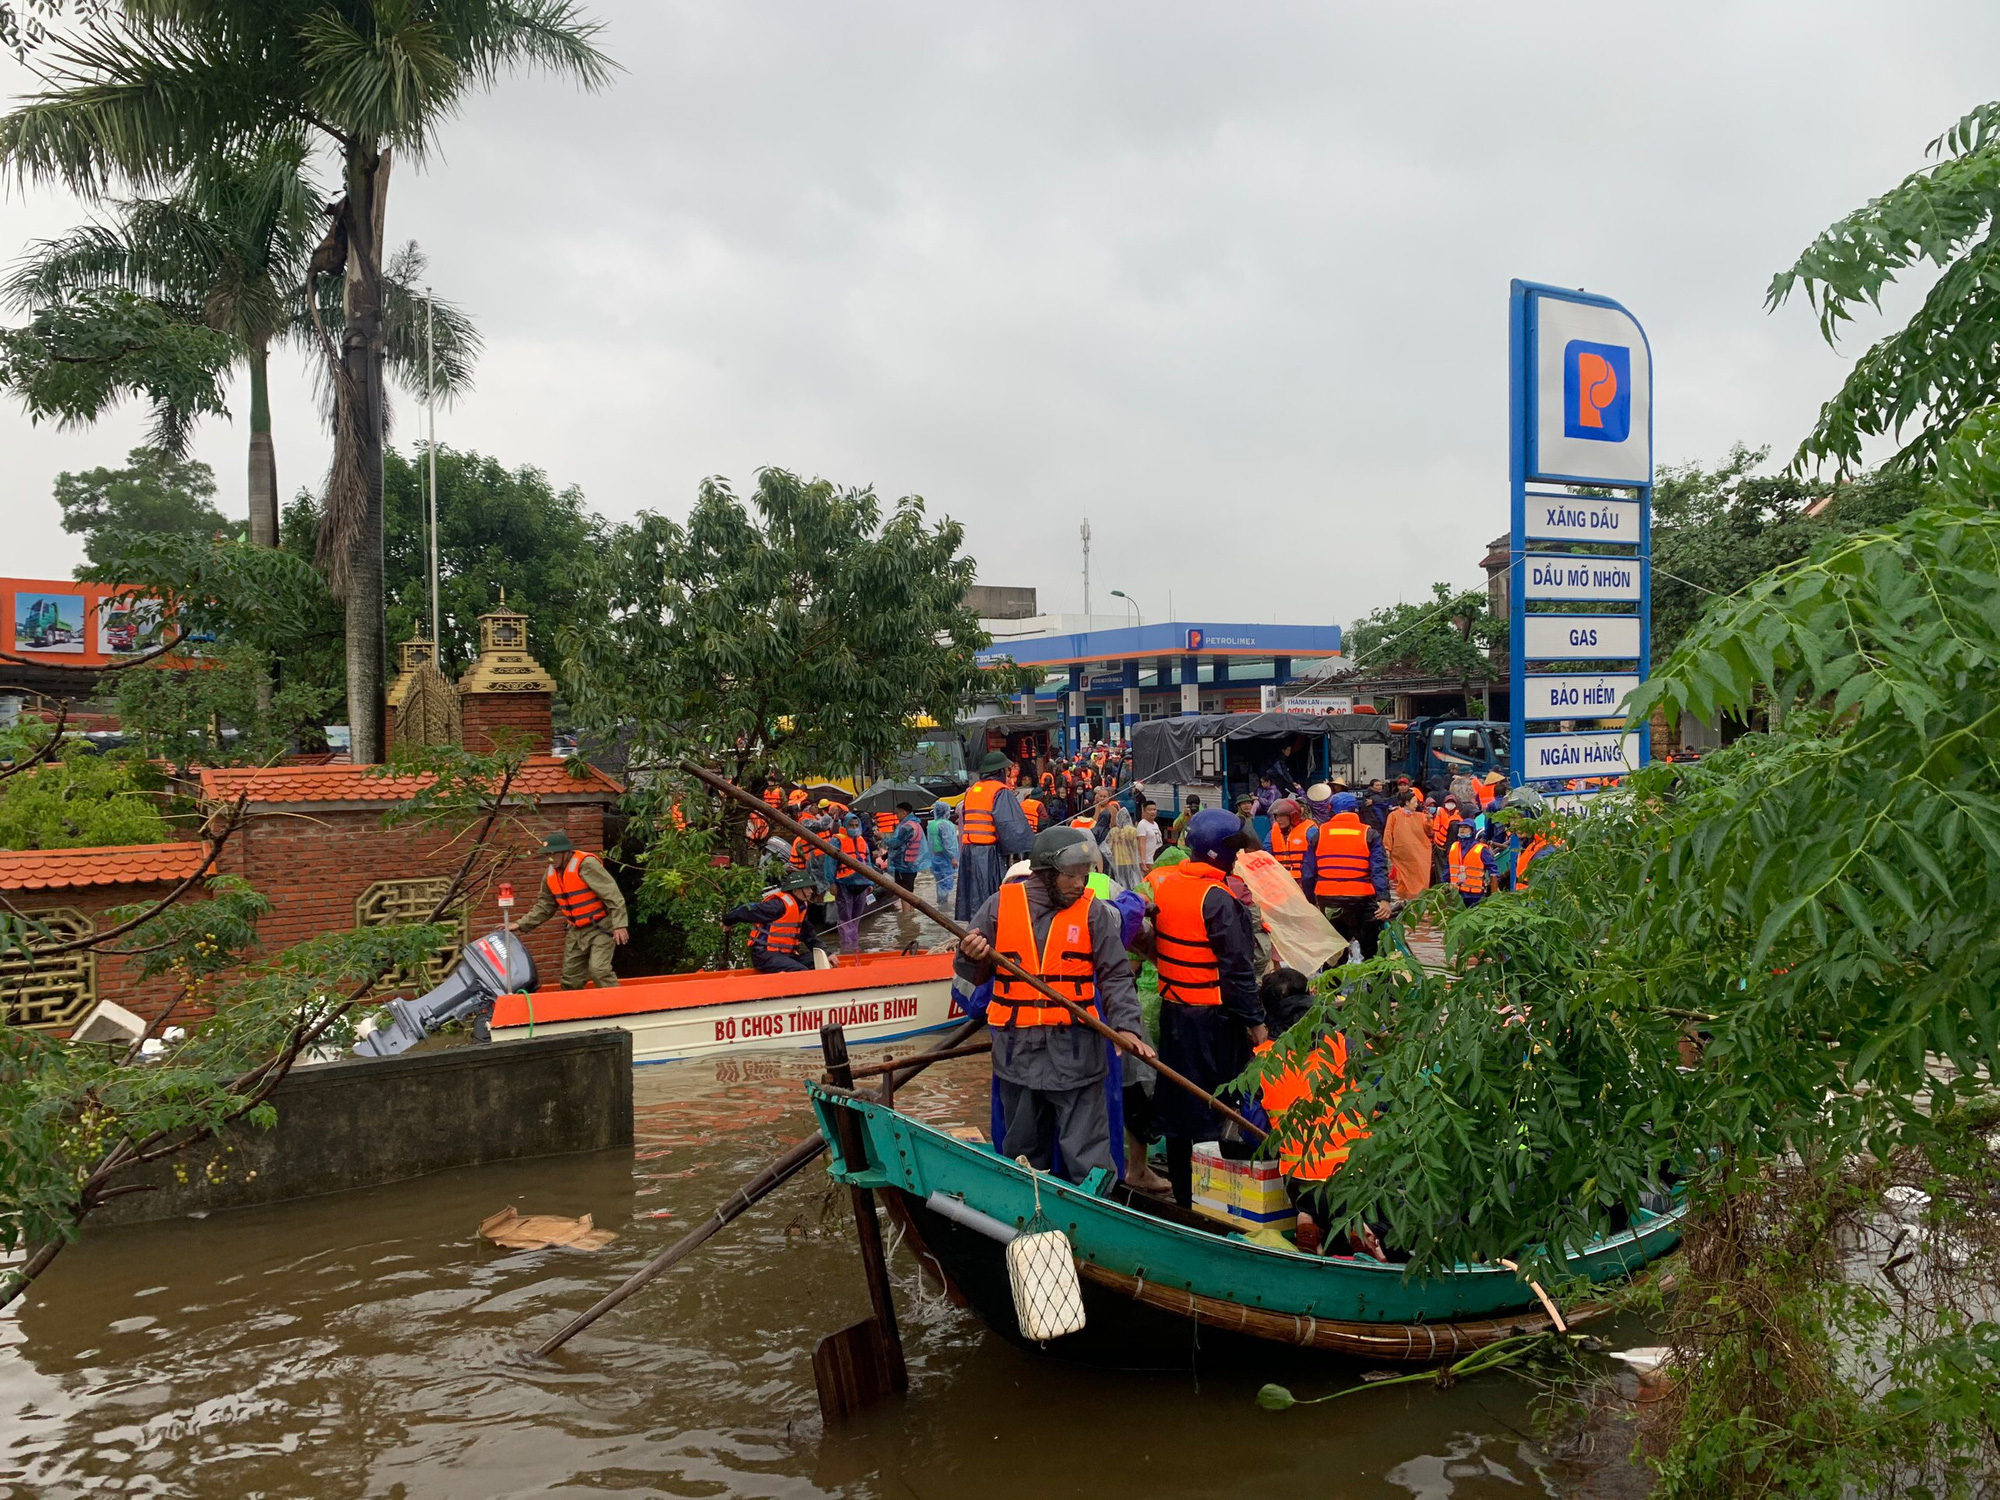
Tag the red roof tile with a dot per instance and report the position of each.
(540, 776)
(108, 864)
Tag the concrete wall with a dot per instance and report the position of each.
(361, 1122)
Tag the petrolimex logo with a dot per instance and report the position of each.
(1597, 391)
(1194, 639)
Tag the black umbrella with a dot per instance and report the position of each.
(884, 795)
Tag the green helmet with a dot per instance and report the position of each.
(797, 880)
(1062, 849)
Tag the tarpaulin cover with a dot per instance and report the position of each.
(1165, 750)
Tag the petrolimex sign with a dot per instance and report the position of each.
(1591, 395)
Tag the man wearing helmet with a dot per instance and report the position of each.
(1050, 1072)
(1210, 1013)
(786, 925)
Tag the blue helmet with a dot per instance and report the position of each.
(1209, 831)
(1345, 802)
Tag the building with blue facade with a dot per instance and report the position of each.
(1103, 683)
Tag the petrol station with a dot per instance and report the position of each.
(1103, 683)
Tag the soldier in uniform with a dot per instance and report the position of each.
(579, 887)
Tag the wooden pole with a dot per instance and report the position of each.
(1077, 1013)
(775, 1174)
(867, 1228)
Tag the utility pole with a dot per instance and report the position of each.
(1086, 573)
(430, 393)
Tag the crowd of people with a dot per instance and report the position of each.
(1066, 868)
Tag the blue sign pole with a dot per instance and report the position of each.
(1517, 502)
(1580, 417)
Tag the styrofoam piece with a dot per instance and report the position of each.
(109, 1022)
(1048, 1297)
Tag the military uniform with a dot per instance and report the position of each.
(573, 880)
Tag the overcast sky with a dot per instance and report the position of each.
(1229, 279)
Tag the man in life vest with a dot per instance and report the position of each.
(1470, 861)
(904, 847)
(1210, 1014)
(579, 887)
(784, 925)
(1287, 841)
(1049, 1072)
(1347, 873)
(1442, 822)
(992, 833)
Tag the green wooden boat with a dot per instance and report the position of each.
(1149, 1269)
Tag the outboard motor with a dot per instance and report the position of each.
(498, 964)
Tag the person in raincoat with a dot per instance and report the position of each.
(1407, 839)
(993, 832)
(1054, 1081)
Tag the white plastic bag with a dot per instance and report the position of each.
(1299, 931)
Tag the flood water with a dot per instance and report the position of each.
(367, 1344)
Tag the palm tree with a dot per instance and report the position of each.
(168, 87)
(227, 251)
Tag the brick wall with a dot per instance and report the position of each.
(117, 978)
(312, 865)
(521, 720)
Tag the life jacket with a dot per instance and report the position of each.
(1032, 807)
(579, 904)
(1312, 1144)
(1535, 846)
(773, 794)
(1468, 868)
(976, 823)
(1341, 864)
(801, 853)
(1290, 848)
(1085, 821)
(1066, 963)
(1485, 793)
(885, 824)
(796, 798)
(1048, 781)
(780, 934)
(1189, 972)
(756, 829)
(852, 845)
(1441, 822)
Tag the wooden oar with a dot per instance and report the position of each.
(773, 1176)
(1077, 1013)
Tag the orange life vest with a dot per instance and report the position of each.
(1065, 963)
(885, 824)
(1312, 1144)
(1441, 822)
(780, 934)
(1521, 862)
(976, 822)
(1341, 865)
(579, 904)
(1189, 973)
(801, 853)
(1031, 807)
(773, 794)
(1468, 868)
(1290, 848)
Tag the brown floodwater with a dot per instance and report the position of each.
(368, 1344)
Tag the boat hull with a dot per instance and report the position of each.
(1147, 1279)
(875, 998)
